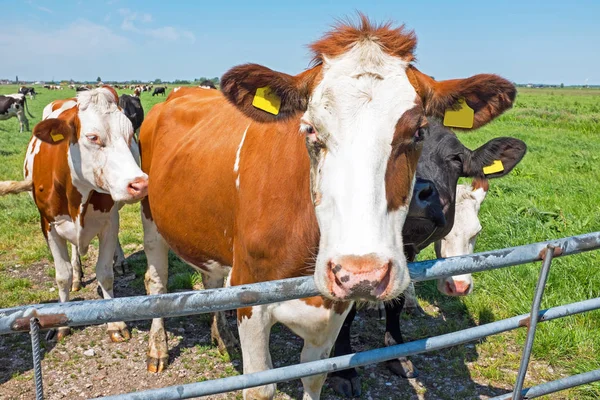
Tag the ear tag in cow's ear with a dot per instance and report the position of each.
(461, 117)
(494, 167)
(267, 100)
(56, 137)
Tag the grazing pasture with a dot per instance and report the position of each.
(554, 192)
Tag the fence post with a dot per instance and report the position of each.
(34, 331)
(532, 321)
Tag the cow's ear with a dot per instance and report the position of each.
(494, 159)
(266, 95)
(486, 94)
(53, 130)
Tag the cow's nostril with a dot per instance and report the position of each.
(425, 193)
(449, 288)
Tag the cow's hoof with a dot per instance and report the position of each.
(120, 267)
(122, 335)
(346, 387)
(403, 367)
(50, 334)
(63, 332)
(156, 365)
(76, 287)
(415, 311)
(222, 335)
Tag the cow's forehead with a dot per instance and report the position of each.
(113, 124)
(365, 78)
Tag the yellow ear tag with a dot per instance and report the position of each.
(496, 166)
(56, 137)
(267, 100)
(461, 118)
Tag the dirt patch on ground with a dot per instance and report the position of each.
(87, 364)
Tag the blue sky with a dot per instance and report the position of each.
(525, 41)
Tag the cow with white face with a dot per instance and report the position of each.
(273, 204)
(461, 239)
(79, 165)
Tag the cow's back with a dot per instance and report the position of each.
(188, 147)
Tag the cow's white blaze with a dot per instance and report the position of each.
(354, 110)
(105, 164)
(462, 238)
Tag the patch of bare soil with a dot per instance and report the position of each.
(86, 364)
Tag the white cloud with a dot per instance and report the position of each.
(77, 48)
(49, 11)
(165, 33)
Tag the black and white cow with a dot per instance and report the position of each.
(15, 105)
(132, 107)
(443, 161)
(159, 90)
(206, 84)
(28, 91)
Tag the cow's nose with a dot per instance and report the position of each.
(458, 287)
(359, 277)
(425, 203)
(138, 188)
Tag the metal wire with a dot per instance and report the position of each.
(34, 331)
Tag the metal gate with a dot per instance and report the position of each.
(32, 318)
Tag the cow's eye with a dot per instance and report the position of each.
(456, 158)
(419, 135)
(307, 128)
(93, 138)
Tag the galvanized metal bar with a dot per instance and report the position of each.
(198, 302)
(531, 328)
(353, 360)
(555, 386)
(34, 331)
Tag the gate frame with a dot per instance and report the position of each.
(93, 312)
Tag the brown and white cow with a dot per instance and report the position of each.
(79, 165)
(461, 239)
(318, 186)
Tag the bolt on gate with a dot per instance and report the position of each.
(32, 318)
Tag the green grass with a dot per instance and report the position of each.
(554, 192)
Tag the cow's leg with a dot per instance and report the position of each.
(319, 326)
(64, 271)
(411, 305)
(401, 366)
(254, 327)
(157, 253)
(22, 120)
(107, 241)
(119, 259)
(213, 277)
(345, 382)
(77, 268)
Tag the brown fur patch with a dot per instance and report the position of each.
(402, 163)
(480, 183)
(395, 41)
(318, 301)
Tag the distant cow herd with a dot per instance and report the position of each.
(344, 172)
